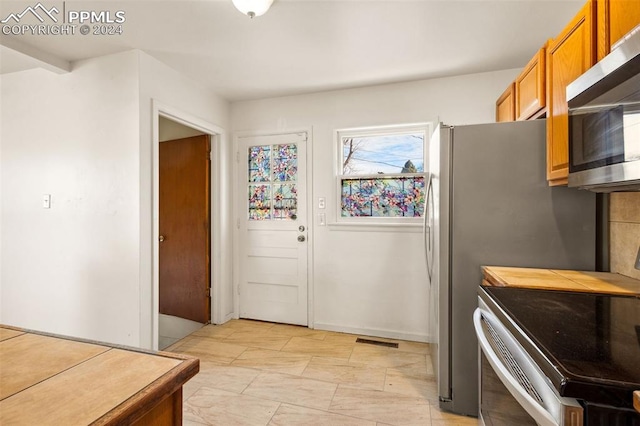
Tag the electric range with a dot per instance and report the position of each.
(587, 346)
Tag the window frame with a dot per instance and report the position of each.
(340, 134)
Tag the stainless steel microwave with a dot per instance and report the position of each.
(604, 121)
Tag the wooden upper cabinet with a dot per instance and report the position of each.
(615, 19)
(506, 105)
(568, 56)
(530, 88)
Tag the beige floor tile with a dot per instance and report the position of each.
(288, 415)
(254, 339)
(337, 370)
(211, 350)
(411, 386)
(186, 422)
(189, 388)
(461, 421)
(176, 345)
(248, 325)
(414, 347)
(292, 389)
(297, 331)
(214, 331)
(318, 348)
(342, 338)
(419, 370)
(442, 418)
(250, 368)
(384, 407)
(275, 361)
(219, 407)
(225, 377)
(385, 357)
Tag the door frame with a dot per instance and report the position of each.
(311, 213)
(219, 217)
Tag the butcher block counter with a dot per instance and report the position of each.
(555, 279)
(54, 380)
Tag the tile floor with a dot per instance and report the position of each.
(257, 373)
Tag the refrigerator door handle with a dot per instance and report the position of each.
(428, 235)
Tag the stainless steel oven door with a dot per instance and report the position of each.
(513, 389)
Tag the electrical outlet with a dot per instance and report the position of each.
(321, 203)
(638, 259)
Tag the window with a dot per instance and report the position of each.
(272, 176)
(382, 173)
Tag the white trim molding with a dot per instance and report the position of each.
(220, 263)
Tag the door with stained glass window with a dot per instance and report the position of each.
(273, 228)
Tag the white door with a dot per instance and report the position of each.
(273, 228)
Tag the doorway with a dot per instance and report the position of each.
(185, 231)
(221, 244)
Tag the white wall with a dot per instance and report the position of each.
(84, 267)
(170, 130)
(370, 282)
(73, 268)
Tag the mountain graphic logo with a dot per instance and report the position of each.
(38, 11)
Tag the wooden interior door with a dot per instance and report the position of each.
(185, 223)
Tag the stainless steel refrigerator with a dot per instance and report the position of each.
(488, 203)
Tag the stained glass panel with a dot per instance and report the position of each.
(285, 201)
(259, 202)
(260, 163)
(285, 163)
(383, 197)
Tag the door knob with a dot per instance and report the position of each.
(301, 228)
(301, 238)
(161, 238)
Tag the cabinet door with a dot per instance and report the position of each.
(506, 105)
(530, 87)
(568, 56)
(615, 19)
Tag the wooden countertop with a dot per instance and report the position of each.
(556, 279)
(47, 379)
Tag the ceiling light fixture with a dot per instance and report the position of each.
(252, 8)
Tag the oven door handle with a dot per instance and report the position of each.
(531, 406)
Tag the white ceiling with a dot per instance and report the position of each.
(303, 46)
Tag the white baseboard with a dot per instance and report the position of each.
(389, 334)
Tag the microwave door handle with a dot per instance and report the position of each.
(531, 406)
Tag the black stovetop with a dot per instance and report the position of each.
(590, 342)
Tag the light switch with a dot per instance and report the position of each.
(321, 203)
(638, 260)
(46, 201)
(322, 221)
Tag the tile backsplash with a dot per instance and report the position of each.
(624, 229)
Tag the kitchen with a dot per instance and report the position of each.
(379, 105)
